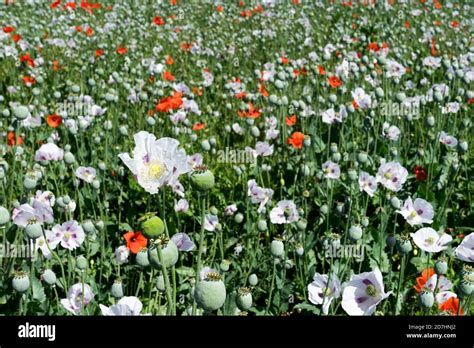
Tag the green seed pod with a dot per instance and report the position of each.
(49, 277)
(88, 226)
(238, 218)
(153, 227)
(4, 216)
(301, 224)
(262, 225)
(69, 158)
(244, 299)
(202, 179)
(210, 293)
(21, 112)
(466, 286)
(253, 279)
(34, 230)
(404, 246)
(141, 258)
(225, 265)
(277, 248)
(169, 253)
(395, 202)
(21, 282)
(117, 289)
(81, 263)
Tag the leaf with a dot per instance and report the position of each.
(319, 144)
(375, 261)
(185, 271)
(421, 262)
(38, 290)
(125, 227)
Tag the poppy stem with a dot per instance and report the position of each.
(167, 281)
(201, 245)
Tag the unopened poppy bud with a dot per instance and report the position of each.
(153, 227)
(262, 225)
(238, 218)
(224, 265)
(355, 233)
(160, 283)
(141, 258)
(49, 277)
(253, 279)
(441, 267)
(395, 202)
(362, 157)
(203, 180)
(426, 299)
(81, 263)
(69, 158)
(4, 216)
(99, 225)
(391, 240)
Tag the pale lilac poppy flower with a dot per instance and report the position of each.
(320, 292)
(367, 183)
(363, 293)
(259, 195)
(41, 244)
(418, 212)
(183, 242)
(25, 214)
(390, 132)
(284, 213)
(331, 170)
(465, 250)
(211, 222)
(447, 139)
(127, 305)
(427, 239)
(76, 299)
(363, 100)
(88, 174)
(49, 152)
(263, 148)
(230, 209)
(392, 176)
(70, 234)
(121, 254)
(181, 206)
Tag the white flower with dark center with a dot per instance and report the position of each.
(211, 222)
(367, 183)
(88, 174)
(427, 239)
(77, 298)
(70, 234)
(392, 175)
(331, 170)
(363, 293)
(465, 250)
(390, 132)
(128, 305)
(363, 100)
(320, 292)
(284, 213)
(418, 212)
(156, 163)
(447, 139)
(259, 195)
(49, 152)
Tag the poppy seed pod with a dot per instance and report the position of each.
(4, 216)
(81, 263)
(153, 227)
(169, 255)
(466, 286)
(210, 293)
(262, 225)
(49, 277)
(224, 265)
(238, 218)
(21, 282)
(404, 246)
(441, 267)
(277, 248)
(160, 283)
(34, 230)
(355, 233)
(244, 299)
(202, 179)
(21, 112)
(117, 289)
(141, 258)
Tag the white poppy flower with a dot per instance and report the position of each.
(418, 212)
(367, 183)
(465, 250)
(427, 239)
(320, 292)
(128, 305)
(392, 175)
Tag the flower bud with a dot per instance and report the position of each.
(4, 216)
(253, 279)
(153, 227)
(117, 289)
(49, 277)
(21, 282)
(81, 263)
(277, 248)
(426, 299)
(441, 267)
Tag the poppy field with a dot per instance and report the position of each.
(266, 158)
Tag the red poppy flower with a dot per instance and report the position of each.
(158, 20)
(98, 53)
(219, 8)
(55, 4)
(170, 103)
(296, 140)
(27, 59)
(284, 60)
(16, 37)
(262, 90)
(251, 113)
(421, 281)
(334, 81)
(71, 5)
(29, 80)
(8, 29)
(136, 241)
(321, 70)
(290, 120)
(454, 24)
(451, 305)
(54, 120)
(168, 76)
(420, 173)
(12, 140)
(169, 60)
(198, 126)
(122, 50)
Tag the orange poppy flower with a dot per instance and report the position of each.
(334, 81)
(29, 80)
(251, 113)
(168, 76)
(158, 20)
(98, 53)
(434, 52)
(197, 91)
(284, 60)
(173, 2)
(454, 24)
(262, 90)
(186, 46)
(28, 60)
(290, 120)
(89, 32)
(373, 46)
(71, 5)
(55, 4)
(421, 281)
(136, 241)
(219, 8)
(11, 141)
(122, 50)
(170, 103)
(241, 95)
(16, 37)
(321, 70)
(54, 120)
(451, 305)
(79, 28)
(296, 140)
(169, 60)
(198, 126)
